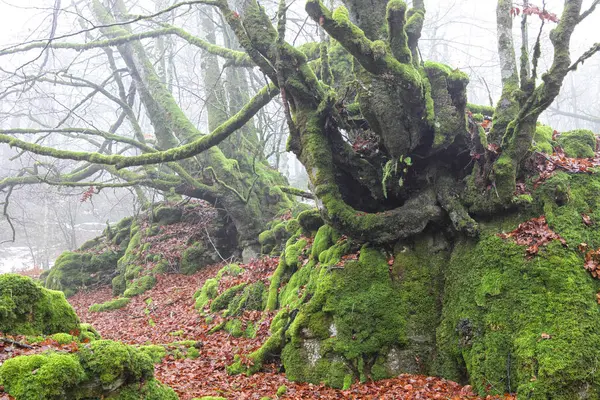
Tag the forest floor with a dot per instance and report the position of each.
(165, 315)
(170, 317)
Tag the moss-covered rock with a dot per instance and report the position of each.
(530, 324)
(310, 220)
(580, 143)
(27, 308)
(166, 215)
(101, 369)
(110, 305)
(208, 292)
(196, 257)
(353, 316)
(73, 271)
(140, 285)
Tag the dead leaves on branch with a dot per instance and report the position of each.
(533, 234)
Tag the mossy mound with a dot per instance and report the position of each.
(580, 143)
(73, 271)
(110, 305)
(232, 302)
(530, 325)
(93, 264)
(170, 238)
(345, 316)
(26, 308)
(279, 230)
(101, 369)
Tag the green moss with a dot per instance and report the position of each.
(102, 369)
(110, 305)
(209, 291)
(192, 353)
(50, 376)
(274, 285)
(230, 270)
(539, 316)
(194, 258)
(108, 360)
(580, 143)
(119, 284)
(222, 301)
(73, 271)
(293, 253)
(63, 338)
(149, 390)
(271, 348)
(353, 314)
(27, 308)
(479, 109)
(253, 297)
(447, 89)
(234, 327)
(165, 215)
(87, 333)
(543, 139)
(324, 239)
(140, 285)
(281, 390)
(155, 352)
(267, 241)
(310, 220)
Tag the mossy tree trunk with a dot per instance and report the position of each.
(244, 188)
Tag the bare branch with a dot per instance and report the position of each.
(586, 13)
(593, 50)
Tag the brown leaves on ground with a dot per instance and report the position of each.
(592, 260)
(533, 234)
(547, 164)
(172, 240)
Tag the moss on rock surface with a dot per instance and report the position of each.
(526, 324)
(580, 143)
(475, 310)
(101, 369)
(27, 308)
(76, 270)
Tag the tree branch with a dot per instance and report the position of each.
(593, 50)
(179, 153)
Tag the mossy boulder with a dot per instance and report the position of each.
(354, 315)
(196, 257)
(73, 271)
(101, 369)
(528, 323)
(580, 143)
(140, 285)
(166, 215)
(310, 220)
(26, 308)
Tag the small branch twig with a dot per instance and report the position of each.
(15, 343)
